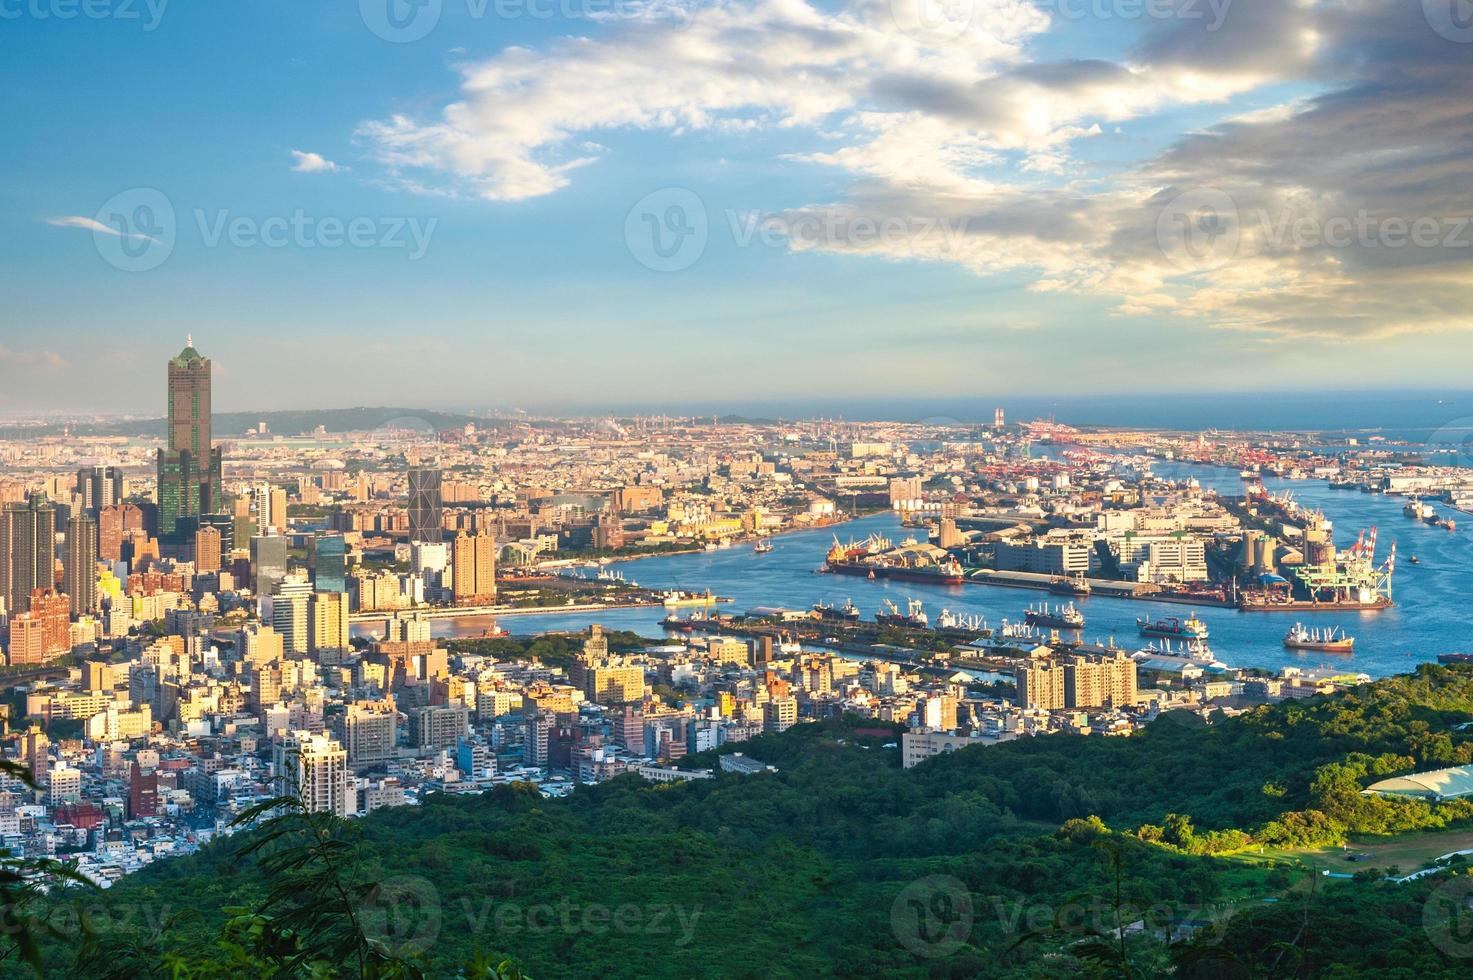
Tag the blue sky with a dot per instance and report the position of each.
(1022, 160)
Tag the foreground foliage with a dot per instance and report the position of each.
(1048, 856)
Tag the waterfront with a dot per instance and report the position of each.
(1430, 616)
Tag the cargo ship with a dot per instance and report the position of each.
(914, 616)
(675, 597)
(1061, 617)
(875, 559)
(1455, 658)
(1192, 653)
(1173, 628)
(1327, 640)
(1065, 585)
(847, 613)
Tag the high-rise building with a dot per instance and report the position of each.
(225, 525)
(99, 487)
(328, 557)
(289, 612)
(114, 523)
(314, 768)
(268, 562)
(473, 569)
(368, 731)
(426, 505)
(79, 564)
(327, 622)
(189, 469)
(27, 551)
(207, 549)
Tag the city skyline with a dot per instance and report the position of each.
(1233, 190)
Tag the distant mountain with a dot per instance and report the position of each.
(288, 423)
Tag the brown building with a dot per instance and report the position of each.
(113, 525)
(207, 550)
(474, 568)
(143, 792)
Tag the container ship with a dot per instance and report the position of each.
(1061, 617)
(874, 558)
(1328, 640)
(1172, 628)
(914, 616)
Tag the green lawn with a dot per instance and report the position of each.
(1407, 852)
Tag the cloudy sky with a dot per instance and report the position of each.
(569, 203)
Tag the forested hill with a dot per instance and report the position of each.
(1013, 860)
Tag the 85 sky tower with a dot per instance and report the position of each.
(189, 469)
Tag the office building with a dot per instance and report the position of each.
(426, 508)
(268, 562)
(328, 558)
(189, 469)
(99, 487)
(288, 609)
(327, 623)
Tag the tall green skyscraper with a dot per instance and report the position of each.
(189, 469)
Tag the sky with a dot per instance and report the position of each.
(564, 204)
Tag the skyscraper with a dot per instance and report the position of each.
(79, 564)
(315, 769)
(189, 469)
(99, 487)
(329, 561)
(27, 551)
(426, 506)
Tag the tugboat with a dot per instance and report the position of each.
(914, 616)
(1064, 585)
(1063, 617)
(1414, 560)
(1173, 628)
(1328, 640)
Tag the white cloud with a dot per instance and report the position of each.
(92, 224)
(974, 134)
(312, 163)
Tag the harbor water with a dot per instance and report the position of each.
(1433, 612)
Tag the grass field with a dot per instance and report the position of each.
(1407, 852)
